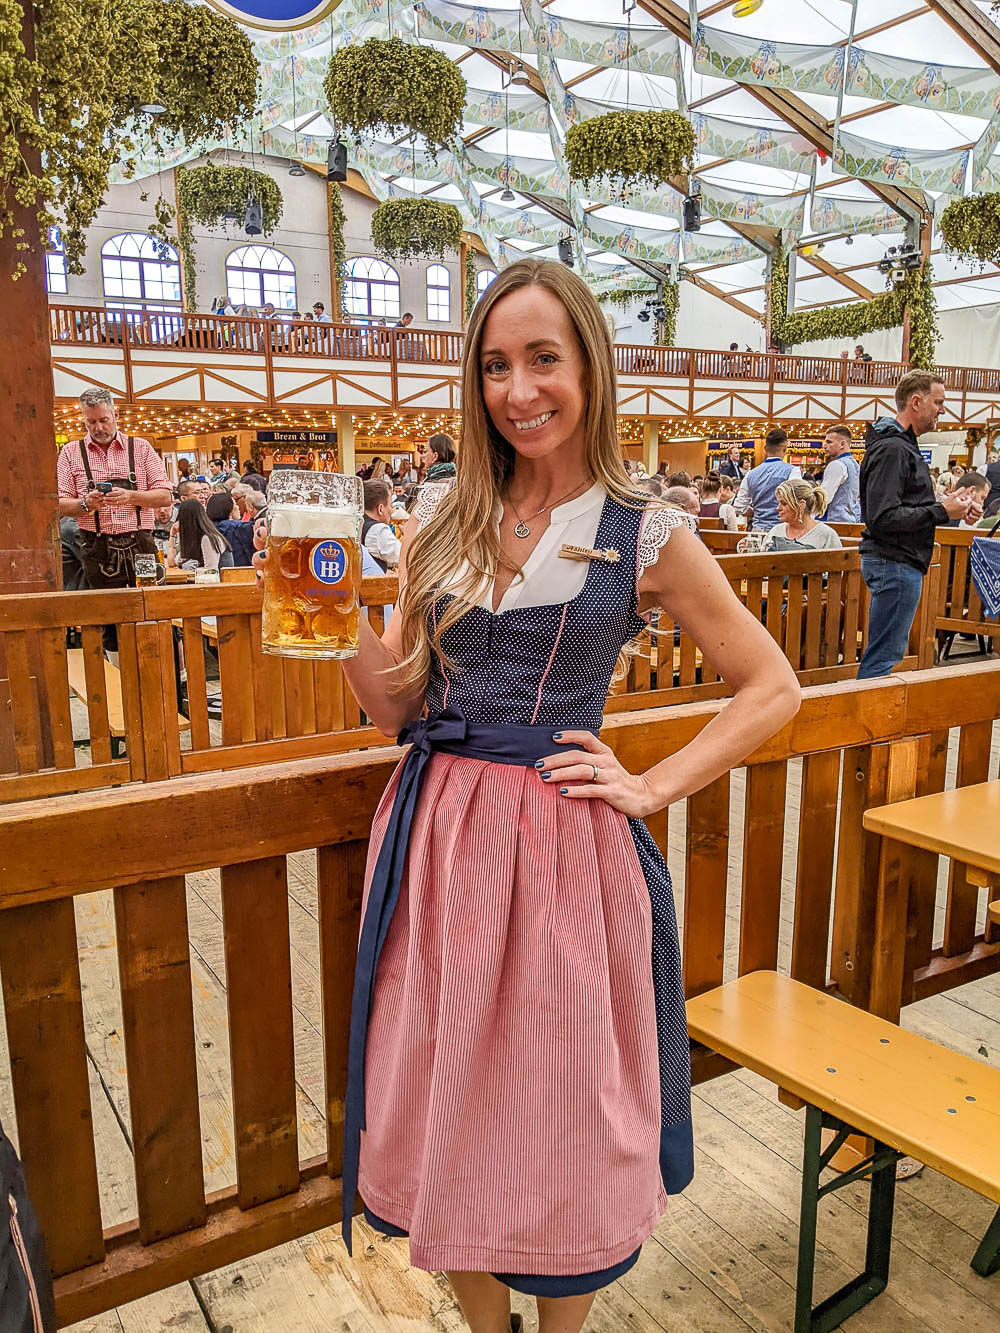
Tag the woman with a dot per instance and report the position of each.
(223, 512)
(519, 1094)
(195, 541)
(728, 517)
(711, 484)
(799, 502)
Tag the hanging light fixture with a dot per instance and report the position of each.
(336, 160)
(253, 218)
(508, 194)
(296, 168)
(520, 77)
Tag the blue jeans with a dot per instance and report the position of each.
(895, 593)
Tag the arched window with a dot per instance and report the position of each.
(483, 279)
(139, 273)
(257, 275)
(438, 293)
(56, 281)
(372, 290)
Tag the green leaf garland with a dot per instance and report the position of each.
(642, 147)
(338, 247)
(56, 150)
(415, 229)
(884, 311)
(206, 194)
(391, 86)
(471, 295)
(970, 228)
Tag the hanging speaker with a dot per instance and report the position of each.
(336, 161)
(253, 218)
(691, 213)
(566, 251)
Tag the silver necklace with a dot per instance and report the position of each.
(521, 528)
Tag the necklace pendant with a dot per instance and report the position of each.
(521, 529)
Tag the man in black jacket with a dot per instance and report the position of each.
(900, 514)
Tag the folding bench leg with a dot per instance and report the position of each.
(881, 1168)
(986, 1259)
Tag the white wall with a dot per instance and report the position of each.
(967, 337)
(703, 321)
(302, 234)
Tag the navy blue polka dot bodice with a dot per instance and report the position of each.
(549, 665)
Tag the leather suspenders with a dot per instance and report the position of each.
(131, 477)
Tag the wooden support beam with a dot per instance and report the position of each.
(712, 290)
(844, 279)
(30, 559)
(793, 110)
(973, 26)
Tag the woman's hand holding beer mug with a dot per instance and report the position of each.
(366, 672)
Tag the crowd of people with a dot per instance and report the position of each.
(316, 313)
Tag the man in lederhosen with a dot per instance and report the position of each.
(110, 483)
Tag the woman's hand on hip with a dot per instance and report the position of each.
(588, 768)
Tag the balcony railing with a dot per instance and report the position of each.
(94, 326)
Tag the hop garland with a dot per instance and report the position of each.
(67, 112)
(392, 86)
(205, 195)
(970, 228)
(338, 248)
(415, 229)
(471, 295)
(641, 147)
(884, 311)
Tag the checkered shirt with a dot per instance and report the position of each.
(105, 463)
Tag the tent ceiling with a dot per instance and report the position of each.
(737, 114)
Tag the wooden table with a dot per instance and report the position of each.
(961, 824)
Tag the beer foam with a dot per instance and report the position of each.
(305, 521)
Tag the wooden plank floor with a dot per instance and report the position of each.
(723, 1257)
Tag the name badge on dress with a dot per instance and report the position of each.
(608, 556)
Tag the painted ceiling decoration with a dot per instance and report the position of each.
(803, 144)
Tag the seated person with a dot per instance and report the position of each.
(728, 517)
(377, 535)
(222, 510)
(976, 485)
(711, 485)
(799, 502)
(195, 541)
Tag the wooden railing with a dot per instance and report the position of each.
(95, 326)
(157, 716)
(269, 707)
(959, 608)
(859, 744)
(813, 604)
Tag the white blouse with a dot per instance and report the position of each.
(547, 580)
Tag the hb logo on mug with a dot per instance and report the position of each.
(328, 561)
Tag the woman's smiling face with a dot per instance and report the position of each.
(533, 374)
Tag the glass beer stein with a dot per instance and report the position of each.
(312, 575)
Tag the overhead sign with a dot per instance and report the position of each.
(276, 15)
(296, 437)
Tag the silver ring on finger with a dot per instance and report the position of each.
(594, 767)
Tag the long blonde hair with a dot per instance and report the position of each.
(462, 530)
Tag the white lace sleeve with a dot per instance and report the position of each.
(657, 525)
(431, 495)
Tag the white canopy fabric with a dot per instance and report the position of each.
(897, 120)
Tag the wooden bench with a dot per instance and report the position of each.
(856, 1073)
(77, 677)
